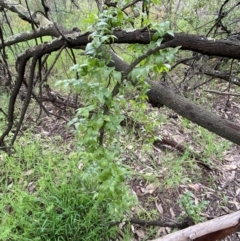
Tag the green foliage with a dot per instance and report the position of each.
(178, 174)
(212, 146)
(103, 171)
(191, 207)
(103, 25)
(98, 123)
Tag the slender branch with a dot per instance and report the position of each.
(130, 4)
(221, 93)
(134, 64)
(159, 223)
(28, 98)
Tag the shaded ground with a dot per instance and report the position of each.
(218, 183)
(219, 186)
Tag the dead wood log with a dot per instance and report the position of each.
(211, 230)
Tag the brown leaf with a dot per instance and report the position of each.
(140, 233)
(29, 172)
(159, 207)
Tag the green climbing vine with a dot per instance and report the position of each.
(104, 91)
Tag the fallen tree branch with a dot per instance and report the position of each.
(221, 93)
(225, 76)
(162, 95)
(181, 148)
(157, 223)
(211, 230)
(195, 113)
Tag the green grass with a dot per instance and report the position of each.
(43, 197)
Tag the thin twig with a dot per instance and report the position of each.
(180, 225)
(221, 93)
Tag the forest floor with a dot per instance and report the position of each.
(200, 180)
(214, 189)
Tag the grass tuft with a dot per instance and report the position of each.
(44, 198)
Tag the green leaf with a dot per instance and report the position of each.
(107, 72)
(90, 49)
(117, 76)
(85, 111)
(120, 15)
(170, 32)
(155, 36)
(159, 41)
(170, 58)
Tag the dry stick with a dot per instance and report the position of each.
(11, 31)
(229, 86)
(234, 79)
(40, 66)
(46, 75)
(181, 148)
(46, 111)
(57, 102)
(54, 62)
(32, 22)
(159, 223)
(5, 57)
(181, 61)
(12, 101)
(28, 97)
(44, 108)
(221, 93)
(175, 85)
(130, 4)
(73, 57)
(218, 21)
(201, 84)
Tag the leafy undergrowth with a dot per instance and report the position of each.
(43, 196)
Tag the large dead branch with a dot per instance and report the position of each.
(158, 95)
(200, 44)
(195, 113)
(212, 230)
(224, 48)
(162, 95)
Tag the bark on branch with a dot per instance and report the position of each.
(195, 113)
(200, 44)
(161, 95)
(16, 7)
(212, 230)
